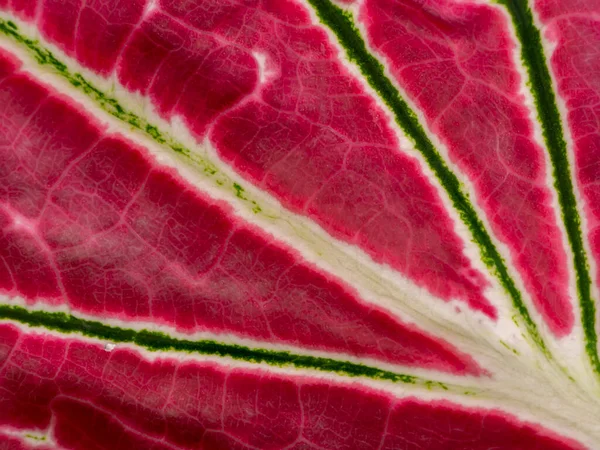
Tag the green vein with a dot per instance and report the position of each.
(532, 54)
(153, 340)
(342, 24)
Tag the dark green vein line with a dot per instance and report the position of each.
(156, 341)
(540, 83)
(341, 23)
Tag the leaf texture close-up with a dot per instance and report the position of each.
(300, 224)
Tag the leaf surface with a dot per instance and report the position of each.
(298, 224)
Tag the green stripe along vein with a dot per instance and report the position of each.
(532, 54)
(154, 340)
(341, 23)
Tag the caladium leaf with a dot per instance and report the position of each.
(298, 224)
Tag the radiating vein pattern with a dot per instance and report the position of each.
(90, 221)
(179, 179)
(276, 84)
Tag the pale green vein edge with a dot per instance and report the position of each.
(341, 22)
(45, 58)
(540, 84)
